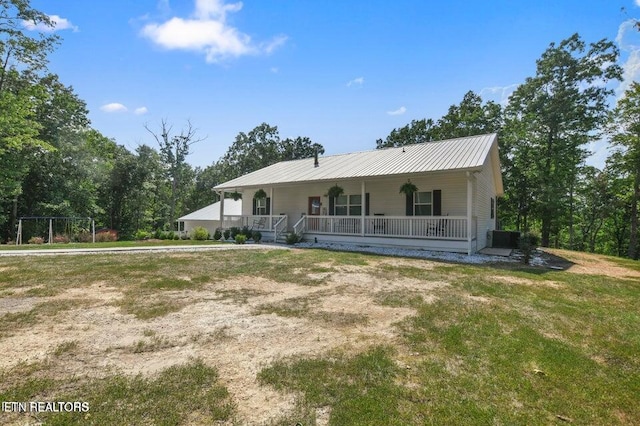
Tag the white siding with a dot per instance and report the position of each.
(484, 192)
(209, 225)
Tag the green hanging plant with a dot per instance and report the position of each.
(260, 194)
(236, 195)
(335, 191)
(408, 188)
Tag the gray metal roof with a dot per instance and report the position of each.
(212, 211)
(466, 153)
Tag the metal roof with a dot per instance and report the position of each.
(466, 153)
(212, 211)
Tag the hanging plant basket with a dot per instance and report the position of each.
(260, 194)
(236, 196)
(408, 188)
(335, 191)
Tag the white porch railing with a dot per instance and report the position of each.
(255, 222)
(300, 226)
(433, 227)
(279, 227)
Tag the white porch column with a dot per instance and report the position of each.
(469, 210)
(362, 208)
(222, 209)
(271, 209)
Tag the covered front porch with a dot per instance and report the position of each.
(440, 216)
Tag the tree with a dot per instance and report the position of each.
(468, 118)
(260, 148)
(625, 127)
(174, 150)
(554, 115)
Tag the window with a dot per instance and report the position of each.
(493, 208)
(422, 204)
(261, 206)
(350, 205)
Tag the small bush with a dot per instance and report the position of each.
(241, 239)
(234, 231)
(184, 236)
(200, 234)
(61, 239)
(157, 234)
(528, 243)
(106, 236)
(176, 236)
(84, 237)
(226, 234)
(246, 232)
(141, 234)
(256, 236)
(293, 238)
(217, 235)
(36, 240)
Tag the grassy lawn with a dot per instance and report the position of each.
(149, 243)
(482, 344)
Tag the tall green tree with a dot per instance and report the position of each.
(261, 147)
(554, 115)
(626, 138)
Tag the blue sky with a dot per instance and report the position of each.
(343, 73)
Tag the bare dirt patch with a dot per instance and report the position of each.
(221, 323)
(525, 281)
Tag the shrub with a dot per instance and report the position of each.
(106, 236)
(141, 234)
(293, 238)
(241, 239)
(226, 234)
(234, 231)
(176, 236)
(36, 240)
(528, 243)
(61, 239)
(217, 235)
(256, 236)
(184, 236)
(246, 232)
(84, 237)
(157, 234)
(199, 233)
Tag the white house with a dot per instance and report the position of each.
(453, 209)
(209, 217)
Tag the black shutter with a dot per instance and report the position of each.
(409, 211)
(366, 204)
(254, 206)
(332, 204)
(268, 206)
(437, 202)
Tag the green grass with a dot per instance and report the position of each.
(188, 393)
(108, 244)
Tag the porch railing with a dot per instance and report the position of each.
(300, 226)
(256, 222)
(433, 227)
(280, 226)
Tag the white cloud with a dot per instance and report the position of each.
(628, 40)
(358, 82)
(637, 2)
(58, 22)
(114, 107)
(274, 70)
(399, 111)
(499, 94)
(141, 111)
(206, 31)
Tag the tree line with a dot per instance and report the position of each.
(53, 163)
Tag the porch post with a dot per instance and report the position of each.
(469, 210)
(362, 207)
(222, 209)
(271, 209)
